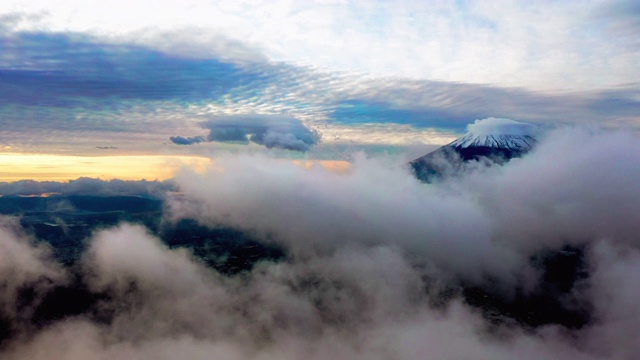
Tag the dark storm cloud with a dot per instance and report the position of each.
(271, 131)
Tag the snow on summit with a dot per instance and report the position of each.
(498, 133)
(493, 139)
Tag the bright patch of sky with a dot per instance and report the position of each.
(541, 45)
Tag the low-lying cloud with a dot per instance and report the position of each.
(375, 262)
(271, 131)
(87, 186)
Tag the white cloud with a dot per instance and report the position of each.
(370, 255)
(551, 197)
(550, 45)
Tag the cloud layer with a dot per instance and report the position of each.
(469, 41)
(138, 97)
(272, 131)
(87, 186)
(375, 261)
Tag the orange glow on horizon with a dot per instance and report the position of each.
(338, 166)
(42, 167)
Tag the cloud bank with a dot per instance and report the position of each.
(375, 263)
(140, 97)
(470, 41)
(271, 131)
(87, 186)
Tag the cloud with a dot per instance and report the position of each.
(498, 126)
(453, 105)
(28, 273)
(179, 140)
(126, 90)
(87, 186)
(621, 19)
(67, 67)
(469, 41)
(228, 132)
(549, 199)
(271, 131)
(376, 263)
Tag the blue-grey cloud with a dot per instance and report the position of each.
(72, 82)
(180, 140)
(271, 131)
(228, 131)
(66, 68)
(621, 19)
(453, 105)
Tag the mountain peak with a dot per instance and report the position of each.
(496, 139)
(498, 133)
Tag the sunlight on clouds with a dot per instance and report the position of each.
(44, 167)
(337, 166)
(481, 42)
(41, 167)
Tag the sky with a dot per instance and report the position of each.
(234, 102)
(170, 81)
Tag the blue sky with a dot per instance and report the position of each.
(125, 77)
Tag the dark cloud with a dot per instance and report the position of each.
(379, 111)
(179, 140)
(272, 131)
(228, 131)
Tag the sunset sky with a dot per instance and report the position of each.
(132, 89)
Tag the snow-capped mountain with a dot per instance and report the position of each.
(502, 141)
(498, 133)
(496, 139)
